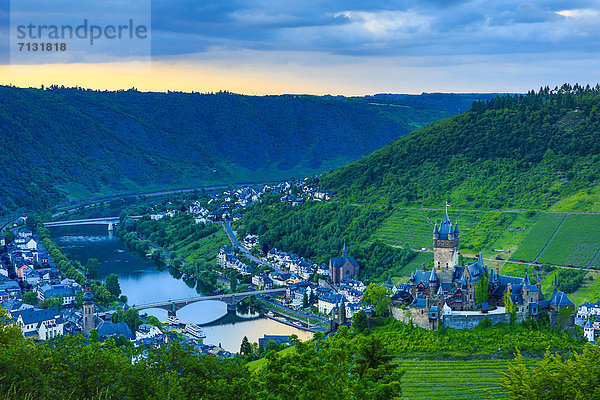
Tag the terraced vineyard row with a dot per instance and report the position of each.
(406, 227)
(577, 241)
(537, 238)
(474, 379)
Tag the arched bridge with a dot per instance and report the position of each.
(172, 306)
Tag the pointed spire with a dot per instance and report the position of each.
(456, 229)
(463, 280)
(435, 229)
(440, 292)
(480, 259)
(345, 250)
(526, 281)
(555, 283)
(433, 276)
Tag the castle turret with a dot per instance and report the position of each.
(345, 250)
(445, 249)
(433, 279)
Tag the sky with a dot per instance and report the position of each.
(334, 47)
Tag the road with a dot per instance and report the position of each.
(236, 243)
(533, 263)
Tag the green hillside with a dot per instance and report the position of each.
(512, 168)
(61, 143)
(529, 151)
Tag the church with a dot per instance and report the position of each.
(343, 267)
(449, 287)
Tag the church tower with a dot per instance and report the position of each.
(445, 249)
(89, 322)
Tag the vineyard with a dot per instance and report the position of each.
(537, 238)
(577, 241)
(472, 379)
(406, 226)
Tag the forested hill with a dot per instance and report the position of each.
(529, 151)
(71, 142)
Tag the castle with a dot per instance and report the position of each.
(449, 290)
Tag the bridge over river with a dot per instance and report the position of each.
(109, 221)
(172, 306)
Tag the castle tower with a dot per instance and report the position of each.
(89, 322)
(445, 249)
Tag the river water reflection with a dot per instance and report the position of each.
(142, 283)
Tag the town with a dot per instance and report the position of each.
(45, 304)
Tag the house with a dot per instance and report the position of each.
(9, 290)
(280, 279)
(262, 281)
(56, 292)
(587, 310)
(250, 240)
(328, 301)
(25, 233)
(147, 331)
(302, 268)
(323, 270)
(38, 323)
(107, 329)
(158, 216)
(29, 275)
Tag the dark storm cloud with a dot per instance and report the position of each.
(389, 28)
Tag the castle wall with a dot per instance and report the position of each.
(401, 315)
(471, 321)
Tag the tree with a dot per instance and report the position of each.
(152, 320)
(378, 297)
(360, 321)
(79, 299)
(9, 236)
(246, 347)
(112, 284)
(132, 319)
(554, 377)
(31, 222)
(92, 267)
(94, 338)
(305, 300)
(30, 298)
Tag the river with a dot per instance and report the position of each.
(142, 283)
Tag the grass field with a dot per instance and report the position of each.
(577, 241)
(472, 379)
(510, 238)
(514, 269)
(538, 236)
